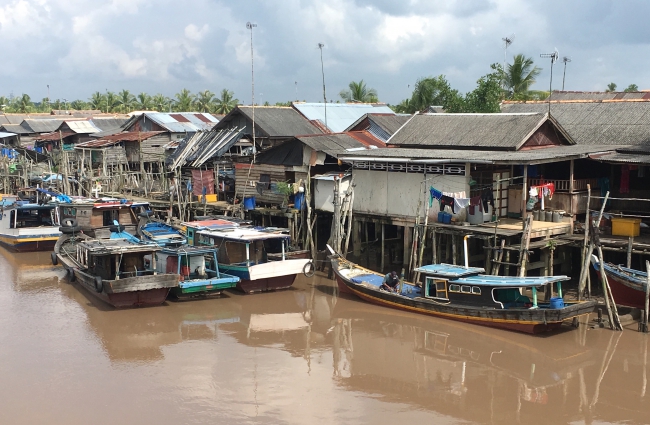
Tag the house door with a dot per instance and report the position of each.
(501, 181)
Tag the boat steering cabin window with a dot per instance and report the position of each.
(465, 289)
(476, 290)
(454, 288)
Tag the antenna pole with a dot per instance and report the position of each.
(320, 46)
(553, 57)
(565, 60)
(250, 27)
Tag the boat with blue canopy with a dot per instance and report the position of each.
(467, 295)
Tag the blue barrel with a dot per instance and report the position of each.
(447, 218)
(249, 203)
(556, 303)
(298, 200)
(441, 217)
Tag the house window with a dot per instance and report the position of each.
(265, 181)
(476, 290)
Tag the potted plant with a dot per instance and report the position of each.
(285, 189)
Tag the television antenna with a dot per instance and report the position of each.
(565, 59)
(554, 57)
(507, 41)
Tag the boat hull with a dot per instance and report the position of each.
(203, 287)
(28, 244)
(625, 293)
(531, 321)
(270, 276)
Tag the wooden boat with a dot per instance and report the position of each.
(95, 217)
(162, 234)
(195, 278)
(28, 226)
(627, 285)
(117, 271)
(247, 253)
(462, 293)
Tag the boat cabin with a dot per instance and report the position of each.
(465, 286)
(190, 262)
(192, 227)
(21, 214)
(114, 259)
(246, 246)
(96, 217)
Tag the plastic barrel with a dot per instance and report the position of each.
(249, 203)
(298, 199)
(536, 215)
(548, 216)
(441, 217)
(556, 217)
(556, 302)
(447, 218)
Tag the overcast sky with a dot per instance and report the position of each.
(82, 46)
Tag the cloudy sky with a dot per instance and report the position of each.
(162, 46)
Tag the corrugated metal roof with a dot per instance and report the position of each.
(624, 158)
(599, 123)
(15, 128)
(41, 125)
(111, 123)
(599, 96)
(55, 135)
(275, 121)
(340, 115)
(4, 135)
(382, 126)
(191, 121)
(127, 136)
(534, 156)
(489, 131)
(100, 143)
(82, 127)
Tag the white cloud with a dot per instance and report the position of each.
(195, 33)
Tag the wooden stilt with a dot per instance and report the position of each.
(630, 242)
(434, 246)
(454, 250)
(499, 258)
(383, 252)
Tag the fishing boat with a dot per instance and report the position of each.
(627, 285)
(96, 217)
(161, 234)
(118, 271)
(464, 294)
(258, 257)
(196, 278)
(26, 226)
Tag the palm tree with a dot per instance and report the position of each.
(126, 100)
(358, 92)
(226, 102)
(97, 101)
(4, 102)
(184, 101)
(112, 101)
(78, 105)
(45, 105)
(204, 101)
(404, 107)
(611, 87)
(23, 103)
(161, 103)
(144, 102)
(430, 91)
(519, 76)
(632, 88)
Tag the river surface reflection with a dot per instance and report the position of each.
(300, 356)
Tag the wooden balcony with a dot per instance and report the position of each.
(565, 185)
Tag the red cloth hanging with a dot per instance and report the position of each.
(625, 179)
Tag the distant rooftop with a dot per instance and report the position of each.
(340, 115)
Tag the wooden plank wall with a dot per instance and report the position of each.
(276, 172)
(152, 148)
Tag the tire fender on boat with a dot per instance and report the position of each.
(99, 285)
(309, 269)
(69, 230)
(54, 258)
(71, 276)
(119, 228)
(69, 222)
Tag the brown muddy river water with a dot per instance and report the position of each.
(302, 356)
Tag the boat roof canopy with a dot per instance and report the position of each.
(189, 250)
(244, 234)
(448, 270)
(508, 282)
(117, 246)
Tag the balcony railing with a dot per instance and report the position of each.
(563, 185)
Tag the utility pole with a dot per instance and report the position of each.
(320, 46)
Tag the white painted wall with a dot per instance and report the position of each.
(324, 193)
(397, 194)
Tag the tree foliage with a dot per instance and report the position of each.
(359, 92)
(226, 102)
(611, 87)
(518, 77)
(631, 88)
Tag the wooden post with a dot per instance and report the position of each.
(647, 296)
(454, 249)
(630, 242)
(434, 246)
(581, 282)
(383, 252)
(525, 244)
(524, 193)
(571, 184)
(499, 257)
(408, 242)
(614, 321)
(590, 249)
